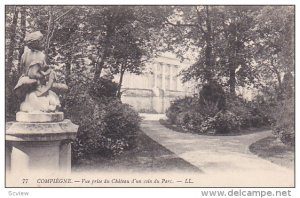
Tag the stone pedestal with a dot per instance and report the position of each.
(39, 141)
(39, 117)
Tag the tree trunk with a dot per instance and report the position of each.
(99, 66)
(50, 30)
(232, 81)
(279, 80)
(234, 64)
(278, 76)
(23, 31)
(68, 65)
(12, 42)
(68, 72)
(208, 49)
(232, 68)
(120, 81)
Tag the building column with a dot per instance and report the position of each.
(155, 75)
(177, 80)
(163, 77)
(171, 77)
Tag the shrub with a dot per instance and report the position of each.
(193, 119)
(212, 98)
(205, 114)
(208, 126)
(106, 126)
(223, 122)
(103, 87)
(178, 106)
(251, 113)
(189, 120)
(194, 124)
(122, 122)
(226, 121)
(239, 107)
(182, 120)
(284, 126)
(215, 112)
(259, 117)
(278, 104)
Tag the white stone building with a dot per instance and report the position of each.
(154, 90)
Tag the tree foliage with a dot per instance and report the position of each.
(81, 41)
(235, 45)
(274, 50)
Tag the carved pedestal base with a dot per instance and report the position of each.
(39, 117)
(33, 145)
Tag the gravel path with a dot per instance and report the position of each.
(224, 160)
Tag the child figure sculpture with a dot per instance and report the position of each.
(37, 78)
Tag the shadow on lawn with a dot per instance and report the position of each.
(147, 156)
(272, 149)
(173, 127)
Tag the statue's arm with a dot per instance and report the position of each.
(47, 72)
(34, 72)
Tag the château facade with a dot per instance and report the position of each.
(153, 91)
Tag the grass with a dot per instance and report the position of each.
(272, 149)
(147, 156)
(176, 128)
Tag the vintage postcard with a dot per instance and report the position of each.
(150, 96)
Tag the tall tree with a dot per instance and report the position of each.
(220, 37)
(126, 36)
(12, 36)
(22, 35)
(275, 48)
(234, 54)
(193, 30)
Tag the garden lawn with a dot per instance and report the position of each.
(272, 149)
(269, 148)
(147, 156)
(169, 125)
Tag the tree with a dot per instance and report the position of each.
(124, 37)
(230, 43)
(23, 14)
(12, 36)
(274, 50)
(221, 37)
(11, 59)
(19, 21)
(234, 54)
(133, 42)
(194, 29)
(127, 58)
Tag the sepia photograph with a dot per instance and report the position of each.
(150, 96)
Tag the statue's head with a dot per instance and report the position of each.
(35, 41)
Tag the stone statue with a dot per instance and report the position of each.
(39, 139)
(38, 79)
